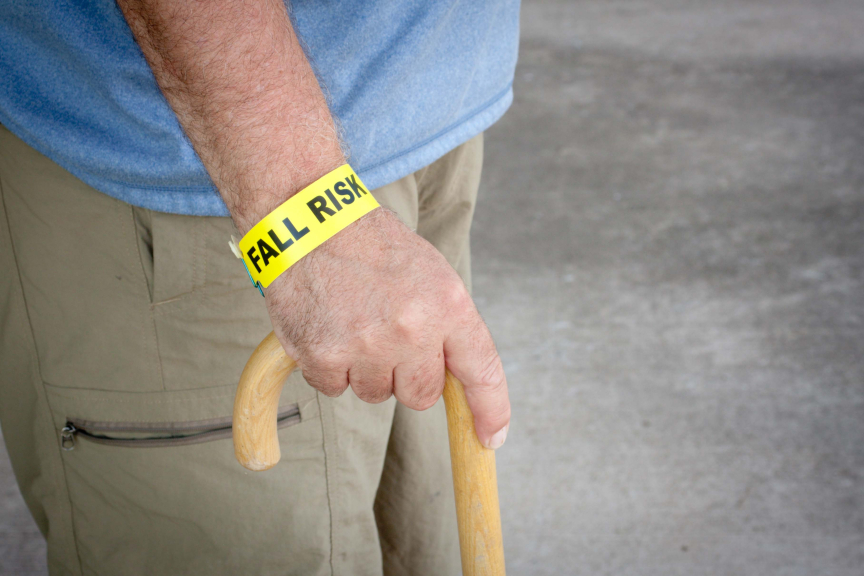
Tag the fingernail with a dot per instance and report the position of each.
(498, 438)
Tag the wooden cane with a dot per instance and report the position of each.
(256, 446)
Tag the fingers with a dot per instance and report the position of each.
(326, 373)
(372, 379)
(331, 383)
(418, 383)
(417, 378)
(473, 359)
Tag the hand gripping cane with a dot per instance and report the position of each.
(256, 446)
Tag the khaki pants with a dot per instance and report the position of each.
(133, 326)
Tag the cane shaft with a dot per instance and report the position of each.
(476, 488)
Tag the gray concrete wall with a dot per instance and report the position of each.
(669, 250)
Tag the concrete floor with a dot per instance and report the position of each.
(669, 250)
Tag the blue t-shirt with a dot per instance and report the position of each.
(408, 80)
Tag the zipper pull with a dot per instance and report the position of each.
(67, 437)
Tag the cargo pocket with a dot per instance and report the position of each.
(154, 487)
(158, 434)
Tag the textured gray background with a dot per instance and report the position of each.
(669, 250)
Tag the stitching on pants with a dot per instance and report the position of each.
(150, 309)
(198, 261)
(113, 401)
(131, 214)
(327, 478)
(138, 245)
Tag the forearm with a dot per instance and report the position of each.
(245, 94)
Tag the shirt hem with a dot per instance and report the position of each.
(205, 200)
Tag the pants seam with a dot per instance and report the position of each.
(46, 409)
(140, 256)
(130, 211)
(459, 154)
(327, 476)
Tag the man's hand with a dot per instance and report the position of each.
(379, 309)
(375, 307)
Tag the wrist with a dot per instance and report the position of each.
(258, 199)
(301, 224)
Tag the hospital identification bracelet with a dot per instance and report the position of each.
(302, 223)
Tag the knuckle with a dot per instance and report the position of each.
(457, 297)
(324, 384)
(424, 391)
(323, 358)
(372, 389)
(423, 400)
(325, 370)
(490, 378)
(367, 344)
(410, 320)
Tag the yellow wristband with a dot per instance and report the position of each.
(304, 222)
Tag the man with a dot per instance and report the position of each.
(133, 130)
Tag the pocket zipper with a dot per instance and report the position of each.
(165, 433)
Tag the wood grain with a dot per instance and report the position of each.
(256, 439)
(256, 445)
(476, 487)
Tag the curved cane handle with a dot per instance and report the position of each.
(256, 440)
(256, 445)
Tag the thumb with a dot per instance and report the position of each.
(471, 356)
